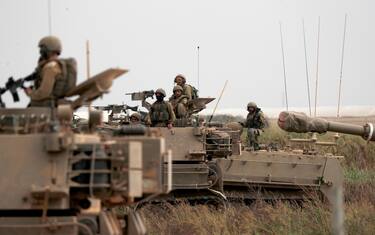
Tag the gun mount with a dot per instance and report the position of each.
(115, 109)
(301, 123)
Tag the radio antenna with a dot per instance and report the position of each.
(342, 65)
(317, 68)
(283, 56)
(307, 70)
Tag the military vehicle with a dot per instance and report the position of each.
(209, 162)
(55, 181)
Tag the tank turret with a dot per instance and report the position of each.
(301, 123)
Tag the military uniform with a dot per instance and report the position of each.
(179, 103)
(46, 86)
(161, 112)
(187, 90)
(53, 76)
(255, 122)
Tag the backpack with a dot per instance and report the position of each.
(68, 80)
(194, 92)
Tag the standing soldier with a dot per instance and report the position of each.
(161, 112)
(255, 122)
(179, 102)
(187, 89)
(54, 77)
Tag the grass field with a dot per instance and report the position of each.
(313, 217)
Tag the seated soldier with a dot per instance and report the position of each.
(186, 88)
(179, 102)
(161, 112)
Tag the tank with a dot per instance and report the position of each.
(209, 161)
(301, 123)
(55, 181)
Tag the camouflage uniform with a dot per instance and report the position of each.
(161, 112)
(179, 103)
(255, 122)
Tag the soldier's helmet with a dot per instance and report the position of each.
(252, 105)
(177, 88)
(136, 115)
(161, 91)
(51, 43)
(180, 76)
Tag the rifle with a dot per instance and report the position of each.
(12, 85)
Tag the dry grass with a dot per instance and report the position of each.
(281, 218)
(259, 218)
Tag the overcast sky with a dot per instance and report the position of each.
(239, 42)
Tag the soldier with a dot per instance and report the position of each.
(135, 119)
(187, 89)
(53, 77)
(179, 102)
(161, 112)
(255, 122)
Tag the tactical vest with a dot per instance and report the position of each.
(65, 81)
(255, 120)
(159, 112)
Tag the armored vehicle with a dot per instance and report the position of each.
(55, 181)
(209, 161)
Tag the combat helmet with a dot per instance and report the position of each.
(177, 88)
(252, 105)
(180, 76)
(136, 115)
(51, 43)
(161, 91)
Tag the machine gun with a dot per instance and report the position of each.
(142, 95)
(301, 123)
(116, 108)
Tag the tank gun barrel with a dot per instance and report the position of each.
(301, 123)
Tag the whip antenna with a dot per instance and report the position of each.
(307, 70)
(317, 68)
(282, 52)
(342, 64)
(221, 94)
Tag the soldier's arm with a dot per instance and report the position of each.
(262, 121)
(49, 73)
(172, 116)
(188, 91)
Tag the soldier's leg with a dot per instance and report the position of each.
(256, 135)
(251, 132)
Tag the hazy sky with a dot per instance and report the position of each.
(239, 42)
